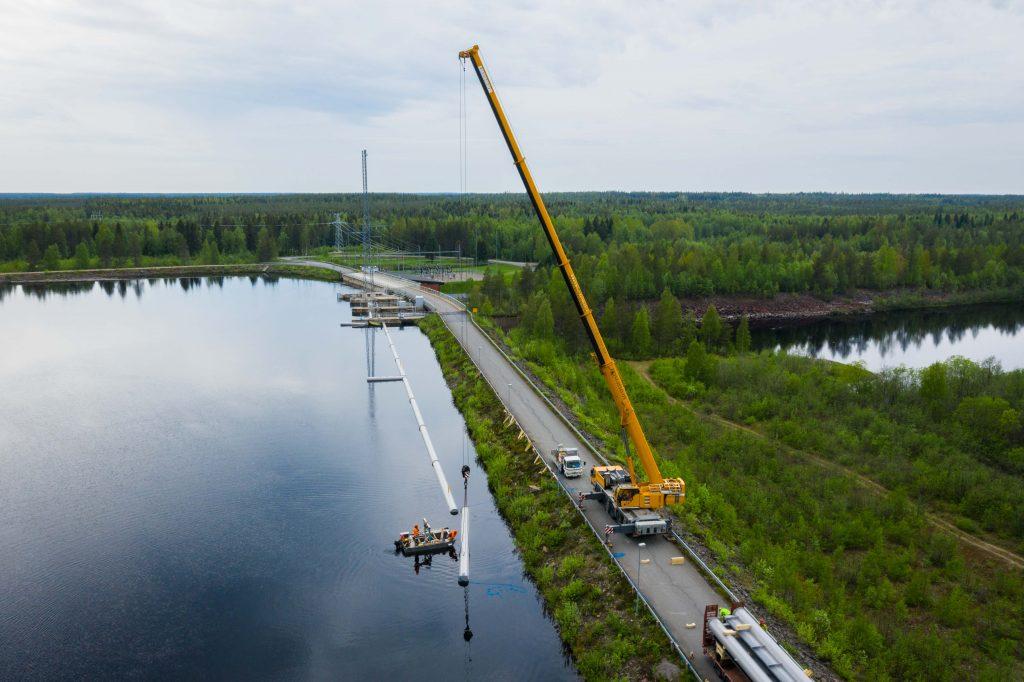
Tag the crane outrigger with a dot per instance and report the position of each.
(632, 503)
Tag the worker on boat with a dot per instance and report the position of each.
(723, 612)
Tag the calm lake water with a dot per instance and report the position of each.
(914, 339)
(197, 482)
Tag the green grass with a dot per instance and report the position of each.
(280, 268)
(145, 262)
(305, 272)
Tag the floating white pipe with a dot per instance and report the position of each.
(445, 488)
(464, 555)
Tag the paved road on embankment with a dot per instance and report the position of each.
(677, 592)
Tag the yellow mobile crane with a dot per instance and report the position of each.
(630, 502)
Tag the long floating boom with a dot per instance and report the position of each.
(445, 488)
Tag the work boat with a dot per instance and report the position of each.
(426, 541)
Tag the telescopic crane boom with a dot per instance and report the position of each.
(627, 492)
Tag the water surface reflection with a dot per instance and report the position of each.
(913, 338)
(197, 482)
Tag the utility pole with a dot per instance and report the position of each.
(366, 219)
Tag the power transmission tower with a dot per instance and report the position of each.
(339, 236)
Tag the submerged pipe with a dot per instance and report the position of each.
(445, 488)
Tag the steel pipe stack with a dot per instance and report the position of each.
(739, 653)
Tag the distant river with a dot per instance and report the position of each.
(914, 338)
(196, 482)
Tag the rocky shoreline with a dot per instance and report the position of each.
(792, 309)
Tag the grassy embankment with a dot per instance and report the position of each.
(280, 269)
(94, 263)
(590, 601)
(863, 578)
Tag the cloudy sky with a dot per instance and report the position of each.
(254, 96)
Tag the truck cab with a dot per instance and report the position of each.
(569, 462)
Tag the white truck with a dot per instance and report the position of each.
(569, 462)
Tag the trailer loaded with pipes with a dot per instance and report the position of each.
(742, 651)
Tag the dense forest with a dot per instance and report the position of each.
(626, 246)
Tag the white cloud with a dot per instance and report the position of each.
(280, 96)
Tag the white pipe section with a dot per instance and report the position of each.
(739, 653)
(464, 555)
(781, 656)
(445, 488)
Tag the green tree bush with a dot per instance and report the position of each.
(641, 336)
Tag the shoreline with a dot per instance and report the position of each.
(788, 309)
(782, 310)
(282, 268)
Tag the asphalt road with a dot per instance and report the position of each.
(678, 593)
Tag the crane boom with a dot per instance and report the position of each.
(609, 370)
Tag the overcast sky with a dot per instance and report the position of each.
(178, 96)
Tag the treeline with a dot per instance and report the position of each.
(540, 301)
(637, 252)
(82, 244)
(626, 246)
(709, 253)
